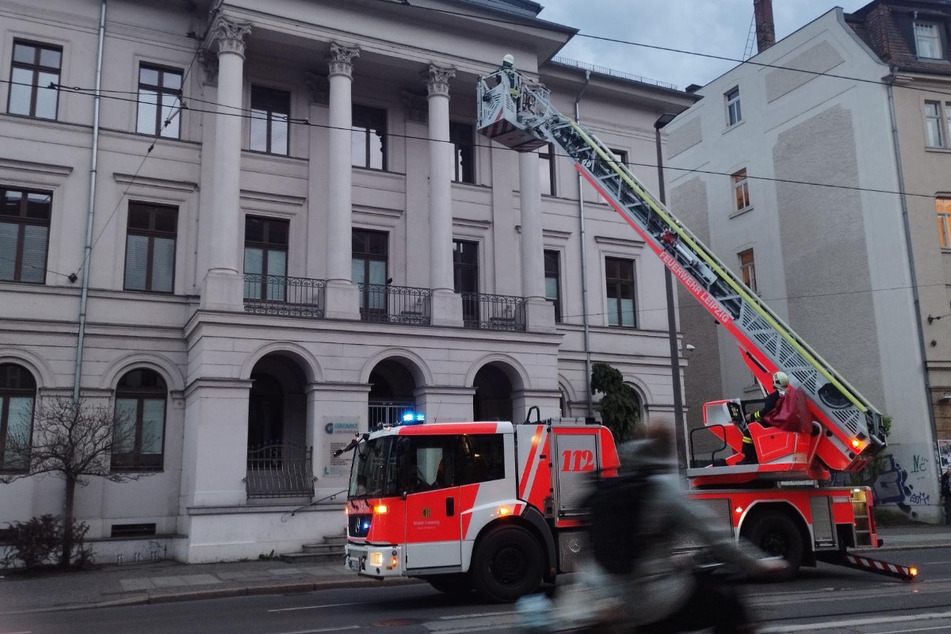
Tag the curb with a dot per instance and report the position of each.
(223, 593)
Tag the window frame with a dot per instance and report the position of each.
(618, 284)
(734, 110)
(465, 269)
(934, 39)
(159, 129)
(747, 261)
(944, 220)
(6, 393)
(363, 120)
(741, 191)
(35, 69)
(549, 158)
(553, 257)
(22, 221)
(134, 460)
(151, 232)
(269, 100)
(373, 298)
(267, 291)
(462, 137)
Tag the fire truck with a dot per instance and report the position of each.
(499, 506)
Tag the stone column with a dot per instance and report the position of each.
(447, 305)
(539, 312)
(342, 299)
(224, 282)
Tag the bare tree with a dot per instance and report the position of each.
(75, 441)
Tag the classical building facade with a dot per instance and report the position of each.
(255, 232)
(823, 174)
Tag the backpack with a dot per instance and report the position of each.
(791, 413)
(617, 507)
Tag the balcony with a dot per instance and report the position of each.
(280, 471)
(283, 296)
(385, 303)
(493, 312)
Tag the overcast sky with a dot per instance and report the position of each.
(713, 27)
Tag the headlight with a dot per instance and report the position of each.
(375, 559)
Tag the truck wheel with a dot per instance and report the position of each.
(507, 564)
(451, 584)
(777, 535)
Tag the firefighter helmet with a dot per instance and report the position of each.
(508, 61)
(780, 381)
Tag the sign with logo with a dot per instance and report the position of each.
(340, 430)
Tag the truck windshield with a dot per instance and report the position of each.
(371, 466)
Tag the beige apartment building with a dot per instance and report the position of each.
(257, 229)
(823, 175)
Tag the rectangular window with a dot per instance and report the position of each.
(943, 207)
(463, 152)
(928, 40)
(34, 80)
(150, 248)
(17, 392)
(733, 113)
(368, 270)
(265, 258)
(553, 282)
(934, 126)
(270, 114)
(160, 101)
(465, 278)
(368, 137)
(748, 269)
(741, 190)
(619, 279)
(546, 170)
(24, 235)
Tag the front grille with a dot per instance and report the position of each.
(358, 525)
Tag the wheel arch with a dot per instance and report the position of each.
(532, 521)
(766, 508)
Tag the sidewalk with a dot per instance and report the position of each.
(166, 581)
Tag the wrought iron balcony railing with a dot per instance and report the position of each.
(283, 296)
(493, 312)
(395, 304)
(283, 470)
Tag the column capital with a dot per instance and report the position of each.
(230, 35)
(437, 80)
(341, 59)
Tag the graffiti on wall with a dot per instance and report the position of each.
(905, 478)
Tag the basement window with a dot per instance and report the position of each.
(133, 530)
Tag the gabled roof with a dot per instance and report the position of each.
(524, 8)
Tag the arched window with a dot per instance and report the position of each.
(140, 422)
(17, 397)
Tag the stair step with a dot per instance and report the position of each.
(323, 548)
(298, 558)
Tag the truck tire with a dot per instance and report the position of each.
(508, 563)
(777, 535)
(454, 584)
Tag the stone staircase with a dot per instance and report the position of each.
(331, 549)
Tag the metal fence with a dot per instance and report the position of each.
(395, 304)
(493, 312)
(284, 470)
(389, 413)
(283, 296)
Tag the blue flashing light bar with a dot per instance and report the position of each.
(413, 418)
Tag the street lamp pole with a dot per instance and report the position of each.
(662, 121)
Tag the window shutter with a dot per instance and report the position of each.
(8, 250)
(136, 262)
(34, 254)
(163, 265)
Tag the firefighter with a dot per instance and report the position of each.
(780, 383)
(636, 579)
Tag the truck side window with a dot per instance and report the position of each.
(479, 458)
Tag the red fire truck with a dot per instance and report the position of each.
(497, 506)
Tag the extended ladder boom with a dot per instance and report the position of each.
(518, 114)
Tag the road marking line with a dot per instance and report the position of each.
(313, 607)
(917, 629)
(325, 629)
(854, 622)
(473, 616)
